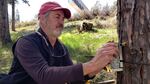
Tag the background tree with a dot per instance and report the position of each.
(105, 10)
(17, 15)
(95, 10)
(134, 37)
(4, 23)
(13, 2)
(113, 9)
(13, 15)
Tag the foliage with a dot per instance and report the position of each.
(16, 2)
(107, 22)
(5, 58)
(26, 23)
(10, 1)
(113, 9)
(95, 10)
(83, 45)
(5, 51)
(103, 76)
(98, 22)
(98, 10)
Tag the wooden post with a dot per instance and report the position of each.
(119, 77)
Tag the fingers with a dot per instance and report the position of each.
(110, 44)
(111, 49)
(105, 55)
(108, 50)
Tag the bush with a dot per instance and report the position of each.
(103, 76)
(26, 23)
(104, 23)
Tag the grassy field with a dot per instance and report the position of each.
(82, 46)
(6, 53)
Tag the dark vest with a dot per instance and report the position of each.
(18, 75)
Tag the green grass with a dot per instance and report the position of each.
(83, 45)
(6, 53)
(5, 58)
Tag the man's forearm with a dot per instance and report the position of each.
(88, 68)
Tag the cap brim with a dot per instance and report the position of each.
(66, 11)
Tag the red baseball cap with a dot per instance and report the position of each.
(51, 6)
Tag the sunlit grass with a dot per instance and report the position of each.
(6, 53)
(5, 58)
(82, 45)
(21, 31)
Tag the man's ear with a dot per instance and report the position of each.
(42, 19)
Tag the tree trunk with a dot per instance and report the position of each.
(4, 23)
(13, 15)
(134, 38)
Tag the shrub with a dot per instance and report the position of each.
(26, 23)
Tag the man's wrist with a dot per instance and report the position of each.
(88, 68)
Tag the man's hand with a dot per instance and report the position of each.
(103, 57)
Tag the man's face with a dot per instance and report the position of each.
(54, 23)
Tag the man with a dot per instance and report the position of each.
(40, 58)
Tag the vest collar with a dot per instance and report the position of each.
(46, 37)
(43, 33)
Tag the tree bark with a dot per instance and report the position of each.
(13, 15)
(133, 18)
(4, 23)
